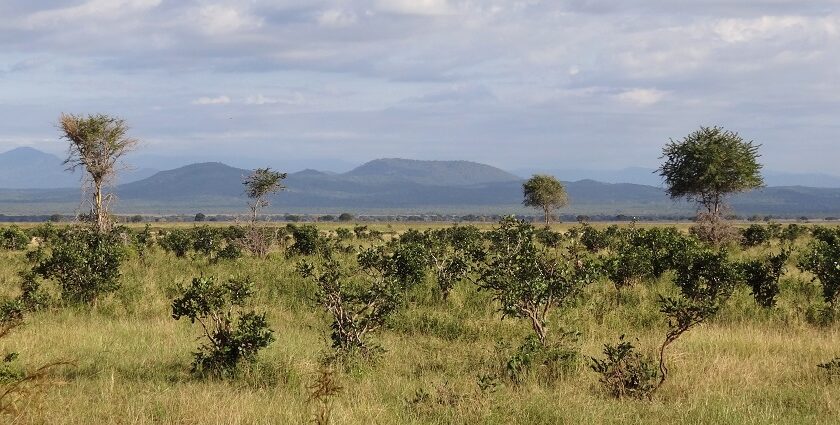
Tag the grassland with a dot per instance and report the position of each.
(747, 366)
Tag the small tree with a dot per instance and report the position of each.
(546, 193)
(708, 165)
(261, 183)
(345, 217)
(199, 217)
(97, 143)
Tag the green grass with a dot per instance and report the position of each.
(748, 366)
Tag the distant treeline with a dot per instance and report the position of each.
(443, 218)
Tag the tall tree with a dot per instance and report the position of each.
(261, 183)
(98, 143)
(546, 193)
(708, 165)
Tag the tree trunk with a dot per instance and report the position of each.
(98, 212)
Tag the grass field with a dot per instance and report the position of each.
(748, 365)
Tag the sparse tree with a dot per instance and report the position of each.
(708, 165)
(98, 144)
(259, 185)
(546, 193)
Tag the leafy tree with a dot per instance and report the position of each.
(232, 334)
(707, 166)
(546, 193)
(97, 144)
(199, 217)
(261, 183)
(177, 241)
(822, 259)
(345, 217)
(136, 219)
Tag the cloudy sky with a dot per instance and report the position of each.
(598, 84)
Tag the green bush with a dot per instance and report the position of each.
(232, 334)
(308, 240)
(762, 276)
(13, 238)
(84, 263)
(625, 372)
(821, 258)
(177, 241)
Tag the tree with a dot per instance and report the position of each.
(546, 193)
(97, 143)
(345, 217)
(709, 164)
(200, 217)
(261, 183)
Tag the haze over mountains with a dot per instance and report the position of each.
(393, 185)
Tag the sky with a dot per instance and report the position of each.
(583, 84)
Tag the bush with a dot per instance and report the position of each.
(84, 263)
(821, 258)
(762, 276)
(206, 241)
(307, 239)
(547, 363)
(13, 239)
(756, 235)
(177, 241)
(232, 334)
(625, 372)
(345, 217)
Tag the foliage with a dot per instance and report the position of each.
(529, 282)
(360, 303)
(84, 263)
(548, 362)
(544, 192)
(177, 241)
(755, 235)
(822, 259)
(706, 280)
(762, 276)
(97, 144)
(261, 183)
(709, 164)
(232, 334)
(625, 372)
(13, 238)
(308, 240)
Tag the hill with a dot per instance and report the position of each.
(405, 186)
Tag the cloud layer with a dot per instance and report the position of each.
(516, 83)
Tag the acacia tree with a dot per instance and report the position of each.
(261, 183)
(98, 143)
(708, 165)
(546, 193)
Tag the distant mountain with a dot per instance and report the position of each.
(646, 176)
(433, 173)
(390, 185)
(29, 168)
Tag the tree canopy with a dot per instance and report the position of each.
(263, 182)
(709, 164)
(546, 193)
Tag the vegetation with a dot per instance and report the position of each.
(705, 167)
(97, 144)
(546, 193)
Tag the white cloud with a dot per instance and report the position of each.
(642, 97)
(90, 10)
(337, 18)
(219, 19)
(416, 7)
(743, 30)
(219, 100)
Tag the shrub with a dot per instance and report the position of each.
(359, 304)
(821, 258)
(307, 239)
(756, 235)
(625, 372)
(527, 282)
(177, 241)
(232, 334)
(84, 263)
(206, 241)
(706, 281)
(547, 363)
(13, 239)
(762, 276)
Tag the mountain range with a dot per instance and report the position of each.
(389, 185)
